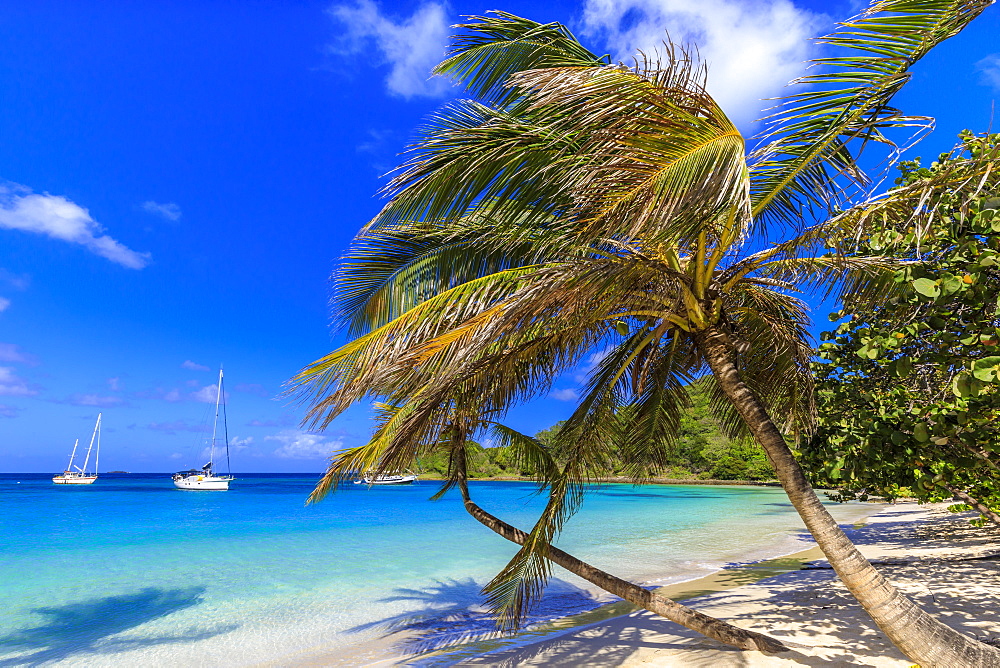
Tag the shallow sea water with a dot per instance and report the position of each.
(131, 571)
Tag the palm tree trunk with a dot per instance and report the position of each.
(633, 593)
(919, 636)
(979, 506)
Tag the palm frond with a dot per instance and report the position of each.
(814, 139)
(490, 48)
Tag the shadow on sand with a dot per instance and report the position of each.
(453, 612)
(87, 626)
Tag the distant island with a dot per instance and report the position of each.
(702, 453)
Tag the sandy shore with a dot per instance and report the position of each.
(948, 567)
(928, 551)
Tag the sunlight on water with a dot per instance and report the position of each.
(130, 571)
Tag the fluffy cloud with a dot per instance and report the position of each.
(194, 366)
(208, 394)
(59, 218)
(176, 426)
(16, 281)
(13, 386)
(569, 394)
(170, 211)
(4, 303)
(752, 48)
(11, 352)
(95, 400)
(297, 444)
(411, 46)
(8, 411)
(989, 70)
(583, 372)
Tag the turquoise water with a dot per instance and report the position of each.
(130, 571)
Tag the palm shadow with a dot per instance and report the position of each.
(87, 626)
(453, 612)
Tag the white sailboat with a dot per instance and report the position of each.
(387, 479)
(206, 478)
(74, 475)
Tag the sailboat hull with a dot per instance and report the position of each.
(203, 482)
(75, 480)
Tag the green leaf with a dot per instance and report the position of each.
(921, 433)
(903, 366)
(986, 368)
(949, 284)
(926, 287)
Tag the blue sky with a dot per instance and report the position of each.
(178, 179)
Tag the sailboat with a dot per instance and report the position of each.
(206, 478)
(74, 475)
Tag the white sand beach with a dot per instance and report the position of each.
(934, 556)
(949, 568)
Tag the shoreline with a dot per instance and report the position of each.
(950, 568)
(386, 651)
(623, 480)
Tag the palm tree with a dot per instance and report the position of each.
(582, 205)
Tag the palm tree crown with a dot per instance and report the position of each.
(580, 205)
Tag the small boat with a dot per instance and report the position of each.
(387, 479)
(206, 478)
(79, 476)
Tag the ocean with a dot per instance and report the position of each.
(130, 571)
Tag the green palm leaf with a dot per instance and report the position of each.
(807, 147)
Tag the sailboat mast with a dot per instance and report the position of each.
(215, 425)
(97, 460)
(72, 455)
(91, 447)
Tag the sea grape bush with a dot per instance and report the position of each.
(908, 391)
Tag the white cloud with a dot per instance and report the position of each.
(173, 395)
(194, 366)
(989, 70)
(752, 48)
(170, 211)
(208, 394)
(582, 372)
(4, 303)
(114, 384)
(16, 281)
(8, 411)
(59, 218)
(411, 46)
(236, 445)
(240, 443)
(11, 352)
(95, 400)
(297, 444)
(13, 386)
(569, 394)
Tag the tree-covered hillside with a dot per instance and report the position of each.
(701, 452)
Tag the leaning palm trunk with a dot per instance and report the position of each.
(918, 635)
(978, 505)
(633, 593)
